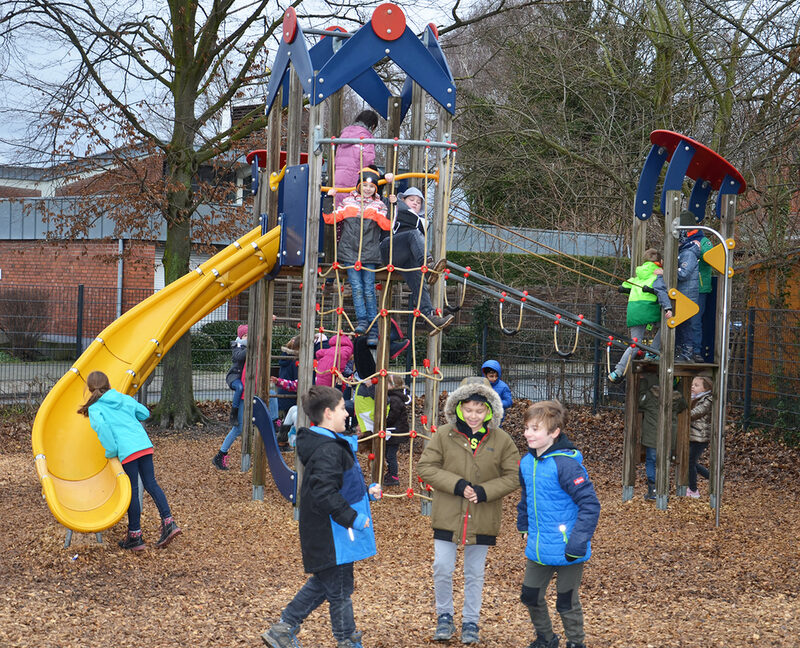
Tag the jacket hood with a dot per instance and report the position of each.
(309, 440)
(460, 394)
(646, 270)
(492, 365)
(112, 398)
(561, 443)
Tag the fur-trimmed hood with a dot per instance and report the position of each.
(464, 390)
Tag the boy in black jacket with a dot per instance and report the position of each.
(335, 524)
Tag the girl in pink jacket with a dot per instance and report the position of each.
(351, 158)
(326, 358)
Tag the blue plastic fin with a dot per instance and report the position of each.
(729, 186)
(284, 477)
(699, 198)
(280, 67)
(676, 171)
(646, 190)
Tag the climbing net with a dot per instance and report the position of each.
(340, 324)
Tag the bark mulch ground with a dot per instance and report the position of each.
(657, 578)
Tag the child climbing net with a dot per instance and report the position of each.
(341, 324)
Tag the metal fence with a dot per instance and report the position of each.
(43, 329)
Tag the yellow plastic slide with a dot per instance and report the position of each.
(85, 491)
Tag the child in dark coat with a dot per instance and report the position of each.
(335, 521)
(396, 426)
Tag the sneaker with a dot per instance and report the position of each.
(544, 643)
(435, 271)
(353, 642)
(439, 323)
(234, 417)
(469, 633)
(220, 461)
(133, 541)
(360, 329)
(391, 480)
(281, 635)
(614, 377)
(694, 494)
(445, 628)
(372, 340)
(169, 529)
(698, 359)
(650, 356)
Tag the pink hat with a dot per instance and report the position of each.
(242, 330)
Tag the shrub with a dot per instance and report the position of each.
(223, 332)
(205, 353)
(23, 316)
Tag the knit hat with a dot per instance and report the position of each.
(368, 175)
(242, 330)
(411, 191)
(688, 218)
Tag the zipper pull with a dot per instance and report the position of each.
(563, 529)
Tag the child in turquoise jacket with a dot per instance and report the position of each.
(116, 418)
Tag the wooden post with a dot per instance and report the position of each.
(630, 455)
(270, 203)
(666, 366)
(335, 124)
(438, 237)
(384, 323)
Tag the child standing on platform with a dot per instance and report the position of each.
(700, 431)
(491, 369)
(335, 521)
(471, 463)
(117, 420)
(557, 515)
(363, 215)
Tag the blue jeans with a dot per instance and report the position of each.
(362, 284)
(143, 467)
(237, 388)
(335, 585)
(650, 464)
(235, 432)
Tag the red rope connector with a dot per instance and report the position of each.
(335, 265)
(558, 320)
(426, 363)
(524, 296)
(466, 274)
(357, 265)
(417, 312)
(378, 286)
(383, 373)
(436, 371)
(503, 298)
(423, 419)
(339, 310)
(390, 268)
(414, 373)
(419, 479)
(580, 320)
(317, 307)
(384, 312)
(371, 456)
(374, 380)
(382, 434)
(410, 493)
(428, 487)
(423, 269)
(412, 434)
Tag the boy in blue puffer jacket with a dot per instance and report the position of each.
(491, 370)
(335, 521)
(557, 515)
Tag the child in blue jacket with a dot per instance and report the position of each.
(116, 418)
(557, 516)
(335, 522)
(491, 369)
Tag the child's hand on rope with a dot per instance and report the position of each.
(332, 191)
(389, 177)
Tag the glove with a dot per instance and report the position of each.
(361, 522)
(461, 484)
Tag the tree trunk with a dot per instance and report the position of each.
(177, 407)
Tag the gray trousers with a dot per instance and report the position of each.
(444, 564)
(637, 332)
(568, 605)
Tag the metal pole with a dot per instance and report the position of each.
(598, 315)
(79, 324)
(748, 367)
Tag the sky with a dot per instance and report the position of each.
(50, 61)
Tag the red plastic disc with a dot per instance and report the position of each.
(388, 21)
(335, 28)
(435, 30)
(289, 25)
(706, 164)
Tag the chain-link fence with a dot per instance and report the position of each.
(43, 329)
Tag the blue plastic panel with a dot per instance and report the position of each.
(646, 190)
(699, 198)
(676, 171)
(729, 186)
(293, 207)
(284, 477)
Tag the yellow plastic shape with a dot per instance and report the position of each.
(715, 257)
(684, 308)
(86, 491)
